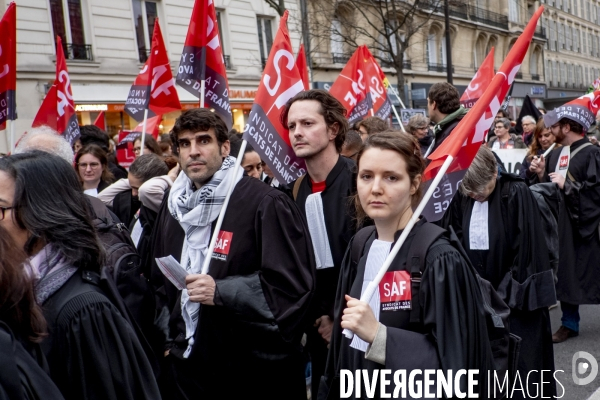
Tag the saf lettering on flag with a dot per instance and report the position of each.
(464, 141)
(480, 81)
(58, 108)
(8, 64)
(395, 291)
(361, 89)
(202, 60)
(154, 87)
(280, 82)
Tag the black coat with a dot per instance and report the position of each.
(264, 285)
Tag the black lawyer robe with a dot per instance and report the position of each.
(248, 344)
(452, 335)
(579, 268)
(517, 265)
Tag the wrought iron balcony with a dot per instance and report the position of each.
(488, 17)
(438, 67)
(143, 54)
(390, 64)
(535, 77)
(340, 58)
(264, 60)
(78, 51)
(227, 60)
(519, 75)
(540, 33)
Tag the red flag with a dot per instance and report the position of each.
(99, 122)
(465, 140)
(8, 65)
(302, 67)
(58, 109)
(480, 81)
(154, 87)
(360, 87)
(125, 154)
(202, 60)
(280, 82)
(152, 126)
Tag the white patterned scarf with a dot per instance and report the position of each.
(195, 210)
(50, 271)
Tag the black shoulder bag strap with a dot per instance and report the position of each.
(572, 156)
(296, 187)
(417, 254)
(360, 240)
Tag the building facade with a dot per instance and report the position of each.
(106, 43)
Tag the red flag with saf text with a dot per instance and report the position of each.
(360, 87)
(125, 153)
(58, 108)
(154, 87)
(8, 65)
(480, 81)
(464, 141)
(280, 82)
(302, 67)
(202, 60)
(99, 122)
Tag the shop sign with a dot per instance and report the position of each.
(91, 107)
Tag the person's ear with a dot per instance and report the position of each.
(414, 186)
(333, 130)
(226, 148)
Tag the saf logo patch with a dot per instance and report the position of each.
(222, 245)
(563, 162)
(395, 291)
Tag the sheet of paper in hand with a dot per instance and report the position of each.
(173, 271)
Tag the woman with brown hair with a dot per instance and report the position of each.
(91, 164)
(542, 140)
(22, 327)
(150, 146)
(435, 325)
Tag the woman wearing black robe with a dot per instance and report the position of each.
(92, 351)
(506, 245)
(451, 333)
(22, 327)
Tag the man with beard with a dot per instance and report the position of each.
(575, 168)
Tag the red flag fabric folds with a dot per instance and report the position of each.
(154, 87)
(280, 82)
(360, 87)
(465, 140)
(8, 65)
(58, 108)
(480, 81)
(152, 126)
(99, 122)
(302, 67)
(202, 60)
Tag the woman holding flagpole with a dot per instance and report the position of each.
(432, 324)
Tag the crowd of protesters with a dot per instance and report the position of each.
(87, 310)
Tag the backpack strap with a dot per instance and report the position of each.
(573, 154)
(296, 188)
(417, 254)
(359, 241)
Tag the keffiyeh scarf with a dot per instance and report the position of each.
(195, 211)
(51, 271)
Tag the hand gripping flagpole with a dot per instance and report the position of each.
(213, 240)
(370, 290)
(144, 132)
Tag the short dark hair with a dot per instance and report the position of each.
(195, 120)
(235, 142)
(503, 112)
(446, 97)
(49, 203)
(331, 109)
(353, 140)
(504, 121)
(148, 166)
(574, 126)
(372, 125)
(150, 143)
(91, 134)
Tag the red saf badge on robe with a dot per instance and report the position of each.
(222, 245)
(395, 291)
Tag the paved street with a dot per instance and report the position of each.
(589, 341)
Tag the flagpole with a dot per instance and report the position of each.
(202, 89)
(213, 240)
(398, 97)
(12, 135)
(144, 132)
(398, 118)
(366, 297)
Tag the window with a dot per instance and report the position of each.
(561, 36)
(479, 51)
(563, 74)
(265, 37)
(222, 41)
(569, 40)
(533, 64)
(583, 42)
(576, 40)
(549, 73)
(570, 72)
(67, 22)
(575, 12)
(566, 5)
(436, 50)
(144, 13)
(513, 11)
(555, 74)
(553, 35)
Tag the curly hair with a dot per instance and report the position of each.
(331, 109)
(196, 120)
(446, 97)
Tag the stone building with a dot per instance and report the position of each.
(107, 42)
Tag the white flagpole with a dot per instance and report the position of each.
(388, 261)
(144, 132)
(213, 240)
(202, 90)
(398, 97)
(398, 118)
(12, 134)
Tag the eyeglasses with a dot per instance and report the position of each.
(93, 165)
(3, 210)
(137, 149)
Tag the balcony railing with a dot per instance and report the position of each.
(519, 75)
(143, 54)
(340, 58)
(78, 51)
(390, 64)
(460, 10)
(438, 67)
(540, 33)
(488, 17)
(227, 61)
(535, 77)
